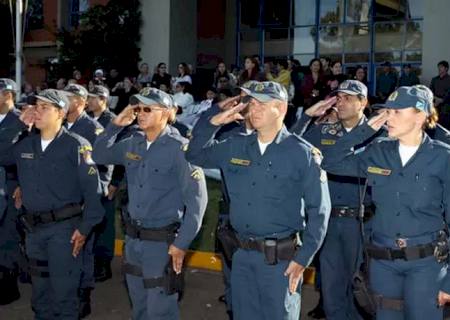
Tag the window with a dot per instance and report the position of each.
(35, 15)
(304, 12)
(331, 11)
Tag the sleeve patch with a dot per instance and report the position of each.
(92, 171)
(197, 174)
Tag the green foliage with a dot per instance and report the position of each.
(107, 37)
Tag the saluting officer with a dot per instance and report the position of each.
(61, 202)
(272, 178)
(409, 176)
(167, 201)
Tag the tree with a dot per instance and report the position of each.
(107, 37)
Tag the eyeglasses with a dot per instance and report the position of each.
(146, 109)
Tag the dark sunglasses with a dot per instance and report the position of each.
(145, 109)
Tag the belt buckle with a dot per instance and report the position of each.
(401, 243)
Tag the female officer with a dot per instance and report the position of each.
(410, 180)
(167, 200)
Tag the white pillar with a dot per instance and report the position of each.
(19, 11)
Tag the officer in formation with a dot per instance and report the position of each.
(408, 173)
(339, 256)
(167, 201)
(61, 202)
(105, 232)
(79, 122)
(272, 177)
(9, 237)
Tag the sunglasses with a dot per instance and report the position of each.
(145, 109)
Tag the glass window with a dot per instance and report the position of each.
(276, 12)
(356, 58)
(249, 13)
(413, 38)
(331, 11)
(277, 42)
(250, 41)
(389, 36)
(357, 10)
(304, 12)
(330, 39)
(356, 38)
(390, 9)
(35, 15)
(415, 8)
(304, 58)
(393, 56)
(412, 56)
(304, 40)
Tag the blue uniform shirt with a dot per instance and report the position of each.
(266, 191)
(63, 174)
(411, 200)
(3, 201)
(163, 187)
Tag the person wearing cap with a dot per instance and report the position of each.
(61, 202)
(167, 200)
(97, 107)
(409, 177)
(79, 122)
(273, 177)
(386, 81)
(341, 249)
(9, 237)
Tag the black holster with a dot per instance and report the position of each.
(362, 293)
(174, 283)
(228, 239)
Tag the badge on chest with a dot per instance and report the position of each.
(29, 156)
(133, 156)
(380, 171)
(240, 162)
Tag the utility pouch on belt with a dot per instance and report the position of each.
(228, 239)
(441, 251)
(174, 283)
(271, 251)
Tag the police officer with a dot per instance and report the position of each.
(269, 175)
(58, 178)
(409, 176)
(9, 237)
(341, 249)
(167, 201)
(105, 232)
(77, 121)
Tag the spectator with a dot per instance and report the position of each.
(161, 77)
(123, 91)
(251, 71)
(221, 71)
(182, 97)
(76, 74)
(335, 78)
(325, 61)
(284, 75)
(27, 91)
(91, 86)
(360, 74)
(164, 87)
(183, 74)
(99, 78)
(313, 84)
(440, 85)
(296, 79)
(223, 82)
(61, 84)
(268, 68)
(72, 81)
(113, 78)
(191, 113)
(144, 78)
(386, 82)
(408, 77)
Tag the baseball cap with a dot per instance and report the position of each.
(149, 96)
(419, 97)
(55, 97)
(76, 90)
(352, 87)
(7, 84)
(99, 91)
(265, 91)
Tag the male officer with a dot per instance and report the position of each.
(58, 179)
(77, 121)
(167, 200)
(9, 237)
(105, 232)
(341, 249)
(271, 177)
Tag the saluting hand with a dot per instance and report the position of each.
(443, 298)
(378, 121)
(28, 116)
(177, 258)
(319, 109)
(126, 117)
(295, 274)
(17, 196)
(229, 102)
(229, 115)
(78, 241)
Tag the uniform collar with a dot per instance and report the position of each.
(281, 135)
(162, 138)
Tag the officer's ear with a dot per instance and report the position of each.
(172, 115)
(62, 113)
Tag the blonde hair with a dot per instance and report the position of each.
(172, 115)
(432, 119)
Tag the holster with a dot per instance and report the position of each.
(441, 251)
(174, 282)
(362, 293)
(228, 239)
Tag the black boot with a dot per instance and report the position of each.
(102, 271)
(84, 308)
(8, 283)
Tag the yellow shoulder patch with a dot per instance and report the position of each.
(197, 174)
(380, 171)
(184, 147)
(92, 171)
(85, 148)
(98, 131)
(240, 162)
(133, 156)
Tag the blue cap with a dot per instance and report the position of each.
(419, 97)
(353, 88)
(55, 97)
(7, 84)
(76, 90)
(265, 91)
(99, 91)
(149, 96)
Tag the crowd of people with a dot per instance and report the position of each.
(271, 131)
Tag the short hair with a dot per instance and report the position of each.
(443, 63)
(283, 63)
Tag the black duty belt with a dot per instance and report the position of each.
(347, 212)
(405, 253)
(164, 234)
(69, 211)
(286, 247)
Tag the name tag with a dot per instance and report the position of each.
(133, 156)
(327, 142)
(27, 155)
(240, 162)
(380, 171)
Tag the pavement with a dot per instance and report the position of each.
(110, 299)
